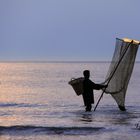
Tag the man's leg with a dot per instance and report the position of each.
(88, 107)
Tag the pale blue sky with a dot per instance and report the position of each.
(66, 29)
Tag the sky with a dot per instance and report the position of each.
(66, 30)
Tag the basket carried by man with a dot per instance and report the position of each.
(77, 84)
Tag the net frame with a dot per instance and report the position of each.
(125, 45)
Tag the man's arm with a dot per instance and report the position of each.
(98, 86)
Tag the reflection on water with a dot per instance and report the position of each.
(87, 117)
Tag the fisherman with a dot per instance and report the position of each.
(88, 87)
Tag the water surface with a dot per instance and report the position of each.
(37, 103)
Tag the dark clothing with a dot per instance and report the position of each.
(88, 95)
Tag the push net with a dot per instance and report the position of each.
(120, 70)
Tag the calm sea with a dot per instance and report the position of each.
(36, 103)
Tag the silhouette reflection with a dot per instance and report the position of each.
(86, 117)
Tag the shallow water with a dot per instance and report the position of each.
(37, 103)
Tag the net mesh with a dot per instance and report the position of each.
(120, 69)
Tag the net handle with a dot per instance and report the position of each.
(113, 73)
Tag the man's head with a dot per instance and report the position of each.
(86, 73)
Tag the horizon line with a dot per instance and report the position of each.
(58, 61)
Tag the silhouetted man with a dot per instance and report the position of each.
(88, 87)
